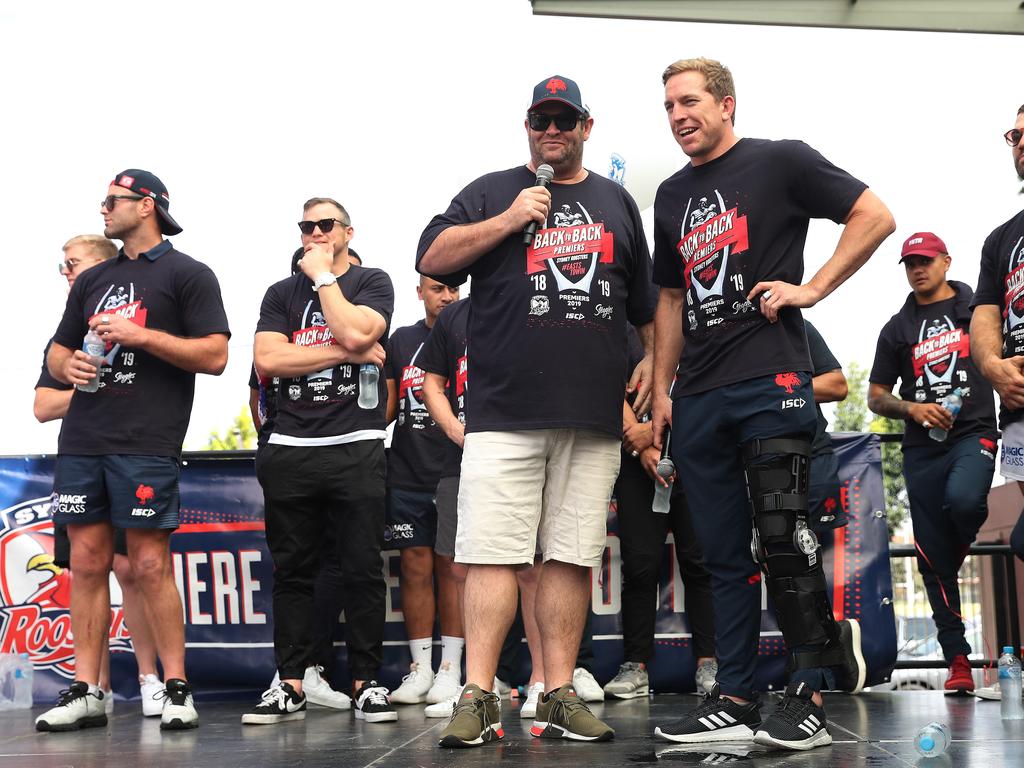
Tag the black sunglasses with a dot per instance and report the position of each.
(1012, 136)
(564, 121)
(325, 225)
(111, 200)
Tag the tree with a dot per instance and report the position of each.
(241, 435)
(852, 416)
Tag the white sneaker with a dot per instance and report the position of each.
(587, 688)
(442, 708)
(318, 691)
(414, 687)
(501, 689)
(179, 710)
(989, 693)
(447, 684)
(529, 708)
(76, 709)
(108, 702)
(152, 702)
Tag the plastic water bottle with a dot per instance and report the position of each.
(15, 681)
(94, 347)
(952, 402)
(932, 740)
(663, 493)
(1010, 706)
(369, 375)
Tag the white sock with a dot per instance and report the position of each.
(421, 651)
(94, 689)
(451, 651)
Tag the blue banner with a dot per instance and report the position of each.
(225, 577)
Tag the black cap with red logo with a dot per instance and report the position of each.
(146, 183)
(558, 88)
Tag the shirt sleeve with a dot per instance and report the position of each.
(990, 290)
(467, 207)
(377, 293)
(822, 190)
(668, 270)
(46, 381)
(391, 362)
(886, 367)
(433, 356)
(202, 306)
(254, 379)
(642, 299)
(71, 330)
(822, 359)
(274, 313)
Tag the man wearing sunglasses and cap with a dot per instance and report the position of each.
(162, 319)
(997, 329)
(947, 464)
(322, 463)
(558, 271)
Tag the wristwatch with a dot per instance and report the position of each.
(324, 278)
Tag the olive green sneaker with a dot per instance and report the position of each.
(563, 715)
(475, 719)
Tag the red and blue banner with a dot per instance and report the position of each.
(225, 577)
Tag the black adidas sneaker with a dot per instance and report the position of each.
(715, 719)
(798, 723)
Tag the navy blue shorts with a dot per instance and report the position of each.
(824, 503)
(411, 519)
(125, 491)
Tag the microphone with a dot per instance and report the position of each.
(545, 173)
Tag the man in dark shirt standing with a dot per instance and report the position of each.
(548, 359)
(947, 464)
(323, 463)
(997, 329)
(161, 315)
(414, 468)
(729, 234)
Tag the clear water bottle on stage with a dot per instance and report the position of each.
(94, 347)
(665, 469)
(1010, 706)
(15, 681)
(369, 375)
(952, 402)
(932, 740)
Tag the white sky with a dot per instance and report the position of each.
(247, 109)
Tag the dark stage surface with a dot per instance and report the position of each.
(873, 729)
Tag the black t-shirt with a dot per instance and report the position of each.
(45, 379)
(822, 361)
(418, 444)
(144, 403)
(548, 325)
(445, 354)
(321, 407)
(1001, 282)
(927, 348)
(722, 227)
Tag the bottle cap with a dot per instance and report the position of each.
(1007, 649)
(927, 743)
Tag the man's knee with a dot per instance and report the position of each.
(417, 565)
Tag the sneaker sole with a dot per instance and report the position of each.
(408, 700)
(641, 691)
(328, 704)
(493, 732)
(435, 699)
(858, 655)
(97, 721)
(821, 739)
(543, 730)
(151, 713)
(732, 733)
(987, 694)
(438, 712)
(376, 717)
(177, 724)
(252, 719)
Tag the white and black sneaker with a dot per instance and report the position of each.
(797, 723)
(373, 704)
(179, 712)
(77, 708)
(278, 704)
(715, 719)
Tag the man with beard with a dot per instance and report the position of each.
(161, 316)
(997, 329)
(729, 235)
(548, 366)
(948, 460)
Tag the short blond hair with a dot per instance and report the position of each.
(98, 245)
(718, 78)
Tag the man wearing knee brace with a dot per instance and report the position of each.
(729, 235)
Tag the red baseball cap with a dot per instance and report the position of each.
(923, 244)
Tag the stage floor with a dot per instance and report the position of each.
(873, 729)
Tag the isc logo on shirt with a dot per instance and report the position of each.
(793, 402)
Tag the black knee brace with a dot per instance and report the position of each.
(777, 471)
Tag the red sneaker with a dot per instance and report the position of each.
(960, 678)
